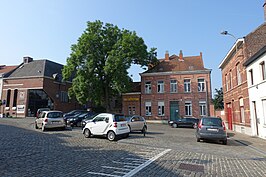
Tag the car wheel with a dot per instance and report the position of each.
(43, 128)
(129, 128)
(198, 140)
(224, 142)
(174, 125)
(111, 136)
(36, 126)
(87, 133)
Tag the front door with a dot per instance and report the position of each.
(229, 117)
(174, 110)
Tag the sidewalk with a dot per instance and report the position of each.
(256, 143)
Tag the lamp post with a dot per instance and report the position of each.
(229, 34)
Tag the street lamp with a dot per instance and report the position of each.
(226, 33)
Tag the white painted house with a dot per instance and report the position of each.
(256, 76)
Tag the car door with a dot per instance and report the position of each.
(40, 119)
(133, 123)
(99, 125)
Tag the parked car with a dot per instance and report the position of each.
(40, 110)
(50, 119)
(137, 123)
(184, 122)
(74, 112)
(211, 128)
(107, 124)
(88, 119)
(77, 119)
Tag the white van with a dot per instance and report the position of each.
(107, 124)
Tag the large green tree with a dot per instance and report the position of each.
(218, 100)
(100, 61)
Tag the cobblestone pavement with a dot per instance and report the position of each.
(163, 152)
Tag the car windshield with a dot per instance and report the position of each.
(212, 122)
(54, 115)
(120, 118)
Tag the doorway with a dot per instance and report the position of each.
(174, 110)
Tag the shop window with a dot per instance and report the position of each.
(15, 98)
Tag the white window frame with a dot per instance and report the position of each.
(264, 110)
(188, 108)
(161, 108)
(173, 86)
(160, 87)
(187, 85)
(201, 85)
(238, 74)
(242, 110)
(203, 108)
(148, 87)
(148, 108)
(263, 71)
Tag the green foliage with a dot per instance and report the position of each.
(218, 99)
(100, 60)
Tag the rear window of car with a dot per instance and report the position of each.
(120, 118)
(54, 115)
(212, 122)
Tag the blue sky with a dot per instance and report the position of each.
(45, 29)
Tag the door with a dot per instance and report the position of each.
(99, 125)
(255, 118)
(174, 110)
(229, 117)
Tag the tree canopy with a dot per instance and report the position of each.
(218, 100)
(100, 61)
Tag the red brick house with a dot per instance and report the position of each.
(35, 84)
(176, 87)
(234, 78)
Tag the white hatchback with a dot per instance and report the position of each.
(50, 119)
(107, 124)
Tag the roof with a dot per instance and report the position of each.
(255, 56)
(5, 69)
(191, 63)
(37, 68)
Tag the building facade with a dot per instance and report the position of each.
(256, 76)
(35, 84)
(176, 87)
(234, 78)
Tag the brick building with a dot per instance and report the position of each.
(176, 87)
(35, 84)
(234, 78)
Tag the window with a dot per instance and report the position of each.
(264, 111)
(148, 87)
(160, 87)
(202, 106)
(251, 76)
(201, 85)
(15, 98)
(148, 108)
(63, 97)
(131, 110)
(188, 108)
(8, 98)
(173, 86)
(230, 80)
(242, 110)
(263, 73)
(161, 108)
(226, 83)
(187, 85)
(238, 74)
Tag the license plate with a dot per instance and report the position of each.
(123, 125)
(212, 129)
(55, 122)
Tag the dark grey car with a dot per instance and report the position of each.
(211, 128)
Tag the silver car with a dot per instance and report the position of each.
(137, 123)
(211, 128)
(50, 119)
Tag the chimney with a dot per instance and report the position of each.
(27, 59)
(264, 6)
(200, 55)
(166, 55)
(181, 56)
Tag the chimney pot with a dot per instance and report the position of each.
(27, 59)
(166, 55)
(181, 56)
